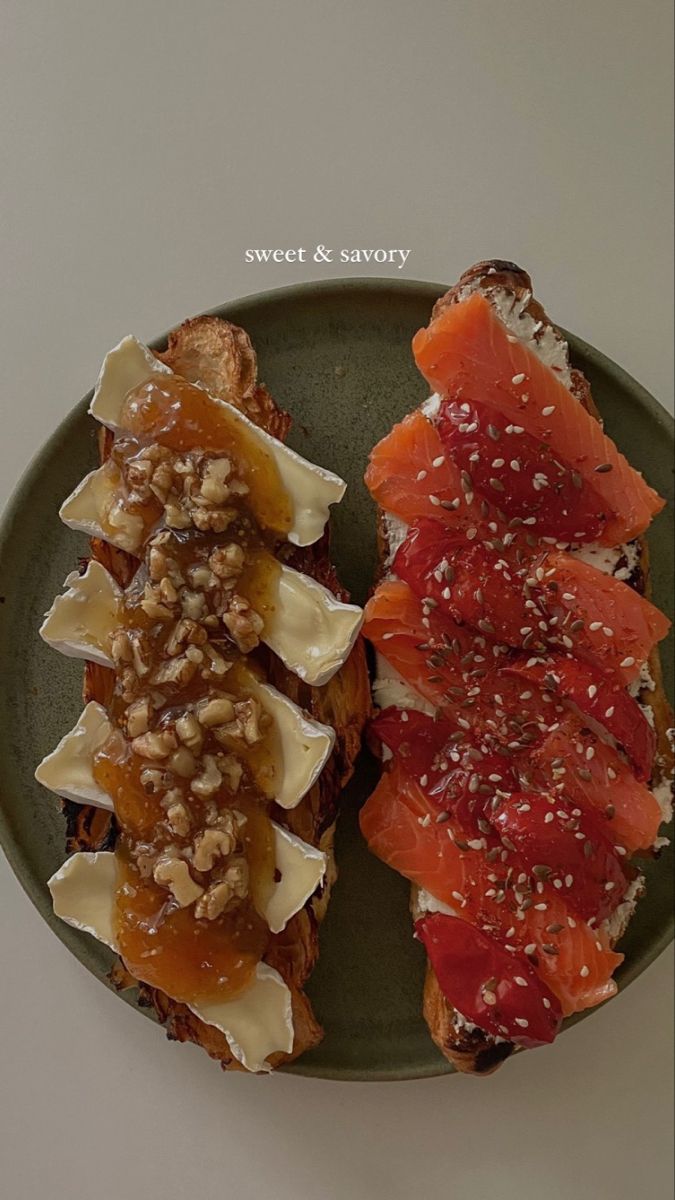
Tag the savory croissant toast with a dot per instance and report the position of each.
(226, 691)
(523, 724)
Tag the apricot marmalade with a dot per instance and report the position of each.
(193, 782)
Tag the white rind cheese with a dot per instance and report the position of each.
(302, 868)
(305, 745)
(68, 770)
(309, 629)
(311, 488)
(80, 623)
(95, 508)
(256, 1024)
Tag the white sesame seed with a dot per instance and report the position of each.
(548, 818)
(584, 972)
(424, 821)
(628, 662)
(438, 462)
(404, 716)
(595, 625)
(571, 922)
(498, 462)
(609, 712)
(546, 412)
(592, 691)
(608, 631)
(611, 773)
(531, 948)
(424, 779)
(568, 596)
(514, 464)
(458, 896)
(541, 907)
(421, 475)
(489, 998)
(520, 981)
(546, 1002)
(520, 378)
(522, 1022)
(435, 501)
(609, 886)
(569, 880)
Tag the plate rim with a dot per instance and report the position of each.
(236, 308)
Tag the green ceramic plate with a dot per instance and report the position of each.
(337, 355)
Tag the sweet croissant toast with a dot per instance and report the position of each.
(225, 689)
(523, 723)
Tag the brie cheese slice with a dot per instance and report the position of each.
(95, 508)
(311, 488)
(80, 623)
(302, 868)
(309, 629)
(256, 1024)
(69, 769)
(304, 745)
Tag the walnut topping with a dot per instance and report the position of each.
(244, 624)
(185, 632)
(174, 874)
(176, 670)
(210, 845)
(232, 771)
(214, 901)
(227, 562)
(120, 645)
(157, 745)
(214, 489)
(190, 732)
(193, 604)
(154, 780)
(183, 763)
(177, 815)
(138, 717)
(237, 877)
(208, 783)
(216, 712)
(245, 725)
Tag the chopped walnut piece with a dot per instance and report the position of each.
(246, 723)
(138, 717)
(141, 667)
(201, 576)
(214, 488)
(232, 771)
(190, 732)
(213, 902)
(162, 480)
(210, 845)
(227, 561)
(174, 874)
(154, 780)
(153, 606)
(183, 763)
(175, 670)
(218, 711)
(217, 665)
(120, 645)
(244, 624)
(177, 815)
(237, 877)
(176, 517)
(215, 520)
(208, 783)
(157, 563)
(157, 745)
(184, 632)
(167, 591)
(193, 604)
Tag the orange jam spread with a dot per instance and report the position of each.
(193, 778)
(179, 415)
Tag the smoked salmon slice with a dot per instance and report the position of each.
(466, 353)
(573, 959)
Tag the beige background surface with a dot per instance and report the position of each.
(144, 147)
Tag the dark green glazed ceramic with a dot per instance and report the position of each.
(337, 355)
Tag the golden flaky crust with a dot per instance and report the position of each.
(220, 356)
(473, 1051)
